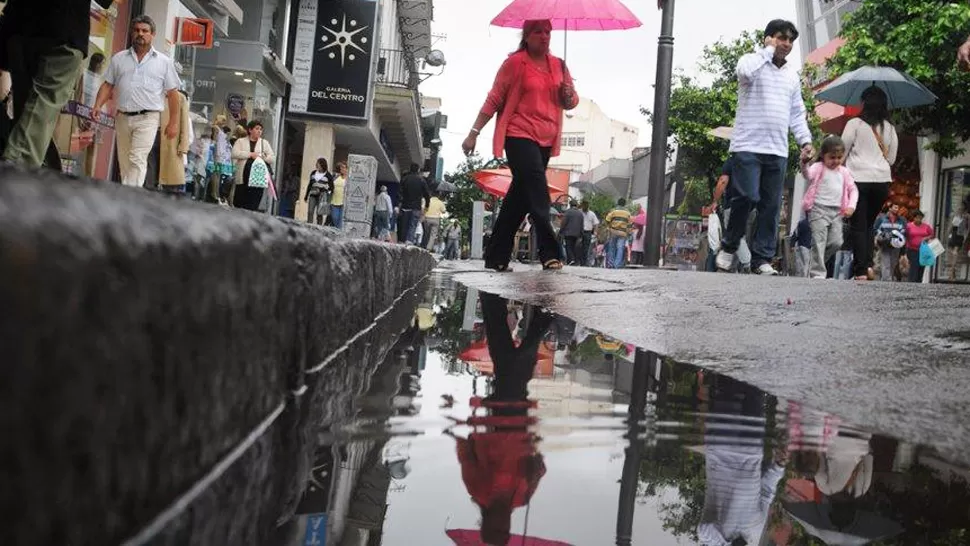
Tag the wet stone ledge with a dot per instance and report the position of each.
(163, 361)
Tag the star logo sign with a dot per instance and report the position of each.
(344, 39)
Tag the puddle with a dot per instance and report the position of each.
(492, 420)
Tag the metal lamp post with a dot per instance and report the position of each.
(661, 122)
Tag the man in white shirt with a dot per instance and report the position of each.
(139, 80)
(769, 105)
(590, 221)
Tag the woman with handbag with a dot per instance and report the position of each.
(245, 153)
(871, 145)
(531, 90)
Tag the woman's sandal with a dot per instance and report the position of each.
(551, 265)
(501, 268)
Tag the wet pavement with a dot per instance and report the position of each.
(492, 420)
(894, 357)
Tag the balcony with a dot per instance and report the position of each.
(397, 68)
(397, 106)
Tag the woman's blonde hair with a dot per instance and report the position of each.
(528, 28)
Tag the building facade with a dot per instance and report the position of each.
(590, 137)
(356, 67)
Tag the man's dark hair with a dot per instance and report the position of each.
(145, 20)
(415, 168)
(621, 202)
(253, 124)
(781, 25)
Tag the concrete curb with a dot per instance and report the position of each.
(146, 337)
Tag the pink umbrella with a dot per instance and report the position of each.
(569, 14)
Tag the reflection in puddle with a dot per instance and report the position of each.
(494, 422)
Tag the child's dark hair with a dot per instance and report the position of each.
(832, 144)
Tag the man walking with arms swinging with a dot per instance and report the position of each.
(769, 105)
(139, 79)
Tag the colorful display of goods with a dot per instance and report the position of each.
(904, 189)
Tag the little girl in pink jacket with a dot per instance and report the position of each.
(830, 196)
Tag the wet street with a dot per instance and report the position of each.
(495, 422)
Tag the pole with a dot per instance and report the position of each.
(658, 149)
(644, 366)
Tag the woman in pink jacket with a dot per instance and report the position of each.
(530, 92)
(831, 196)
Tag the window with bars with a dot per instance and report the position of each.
(573, 140)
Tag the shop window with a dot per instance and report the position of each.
(954, 227)
(87, 149)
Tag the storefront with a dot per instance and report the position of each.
(953, 227)
(88, 150)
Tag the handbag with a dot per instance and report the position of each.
(882, 144)
(926, 256)
(259, 174)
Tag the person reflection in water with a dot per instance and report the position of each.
(739, 492)
(500, 461)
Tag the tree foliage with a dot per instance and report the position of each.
(460, 202)
(696, 108)
(919, 37)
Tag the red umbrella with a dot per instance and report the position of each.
(497, 181)
(569, 14)
(471, 537)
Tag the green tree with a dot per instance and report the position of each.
(919, 37)
(696, 108)
(460, 202)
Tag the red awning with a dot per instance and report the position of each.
(822, 54)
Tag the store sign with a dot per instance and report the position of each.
(194, 32)
(332, 58)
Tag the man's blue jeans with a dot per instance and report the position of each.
(757, 183)
(615, 252)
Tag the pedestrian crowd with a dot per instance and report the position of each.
(847, 183)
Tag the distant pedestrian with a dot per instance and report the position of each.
(871, 145)
(382, 214)
(531, 90)
(639, 236)
(289, 191)
(590, 222)
(769, 105)
(414, 190)
(173, 151)
(890, 238)
(245, 153)
(831, 196)
(571, 232)
(43, 47)
(619, 222)
(318, 192)
(337, 199)
(432, 221)
(140, 80)
(917, 233)
(453, 241)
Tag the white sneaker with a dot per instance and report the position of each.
(766, 269)
(724, 261)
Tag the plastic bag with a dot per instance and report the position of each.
(714, 232)
(926, 256)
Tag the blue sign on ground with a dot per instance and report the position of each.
(316, 530)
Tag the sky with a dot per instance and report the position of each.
(615, 69)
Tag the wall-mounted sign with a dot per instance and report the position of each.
(194, 32)
(332, 58)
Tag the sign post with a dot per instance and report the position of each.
(359, 195)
